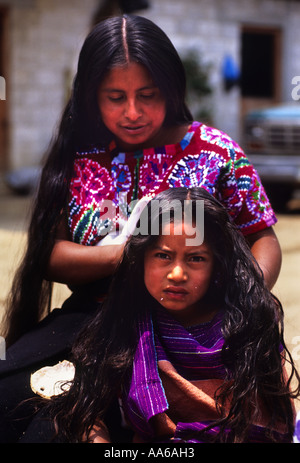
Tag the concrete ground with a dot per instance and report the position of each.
(14, 212)
(14, 217)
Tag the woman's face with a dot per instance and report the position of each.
(178, 276)
(131, 106)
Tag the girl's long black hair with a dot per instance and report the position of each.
(111, 43)
(252, 328)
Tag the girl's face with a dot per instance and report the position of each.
(178, 276)
(131, 106)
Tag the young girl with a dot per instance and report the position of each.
(125, 133)
(190, 338)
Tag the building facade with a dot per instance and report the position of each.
(40, 40)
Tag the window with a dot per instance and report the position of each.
(259, 64)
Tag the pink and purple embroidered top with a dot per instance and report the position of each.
(206, 157)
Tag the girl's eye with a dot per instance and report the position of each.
(196, 259)
(162, 255)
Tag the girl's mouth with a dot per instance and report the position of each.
(175, 292)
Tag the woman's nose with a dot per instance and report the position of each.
(177, 273)
(133, 111)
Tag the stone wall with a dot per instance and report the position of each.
(45, 39)
(46, 35)
(213, 28)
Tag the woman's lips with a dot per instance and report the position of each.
(134, 129)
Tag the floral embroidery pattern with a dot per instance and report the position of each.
(121, 177)
(195, 171)
(205, 157)
(83, 222)
(90, 186)
(91, 182)
(153, 171)
(217, 137)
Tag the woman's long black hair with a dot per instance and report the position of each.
(252, 328)
(112, 42)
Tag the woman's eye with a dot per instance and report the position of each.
(116, 99)
(147, 96)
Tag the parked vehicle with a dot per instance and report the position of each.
(272, 143)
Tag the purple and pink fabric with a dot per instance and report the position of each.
(176, 372)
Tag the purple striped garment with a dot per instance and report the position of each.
(195, 353)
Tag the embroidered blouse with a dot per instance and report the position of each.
(106, 182)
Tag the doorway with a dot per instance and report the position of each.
(260, 67)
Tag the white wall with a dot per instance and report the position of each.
(46, 36)
(44, 45)
(213, 27)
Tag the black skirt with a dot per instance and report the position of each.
(47, 344)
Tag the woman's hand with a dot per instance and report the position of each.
(74, 264)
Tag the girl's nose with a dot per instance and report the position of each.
(177, 273)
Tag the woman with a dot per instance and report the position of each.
(128, 94)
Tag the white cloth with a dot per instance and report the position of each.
(129, 227)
